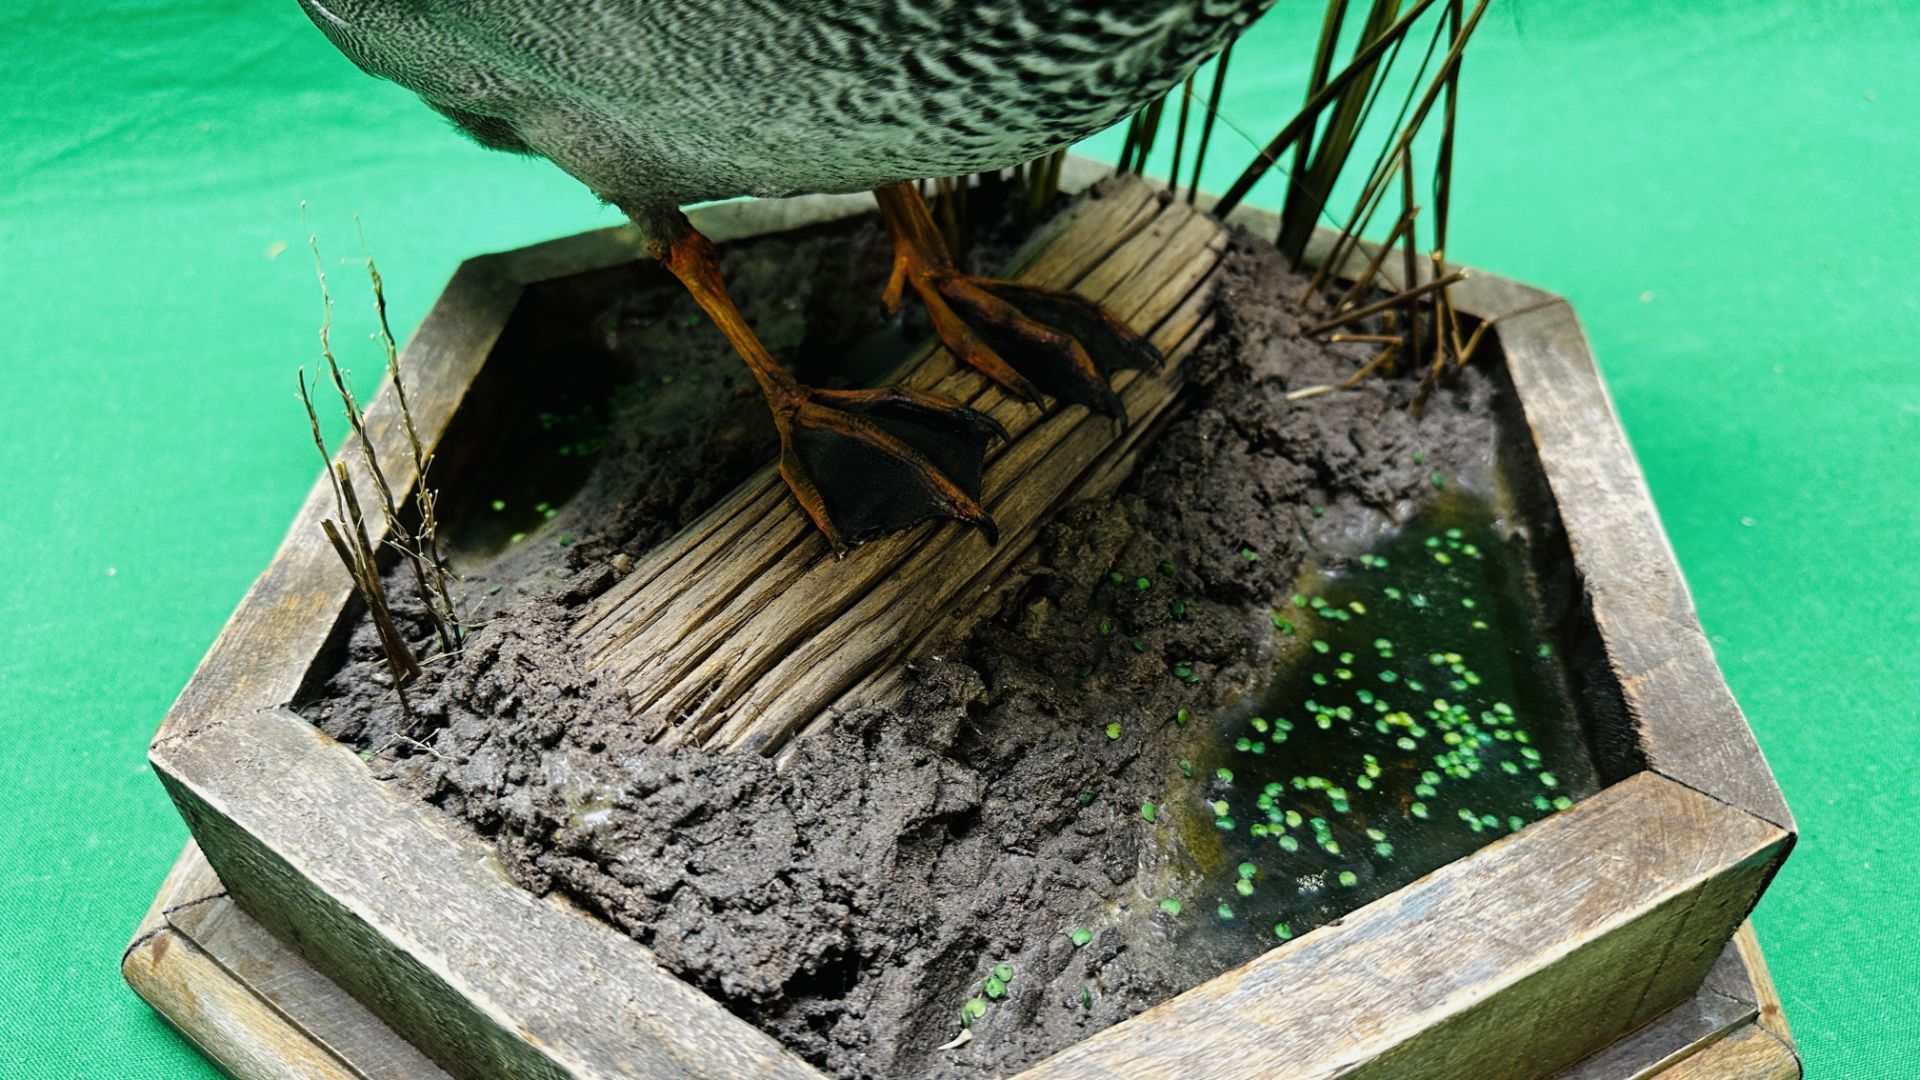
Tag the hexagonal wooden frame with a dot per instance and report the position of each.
(1516, 961)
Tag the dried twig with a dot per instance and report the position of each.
(425, 539)
(1412, 261)
(398, 536)
(1405, 139)
(1374, 264)
(1383, 358)
(1473, 341)
(1373, 192)
(358, 556)
(416, 541)
(1043, 185)
(1378, 306)
(1180, 139)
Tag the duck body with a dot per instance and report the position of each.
(655, 103)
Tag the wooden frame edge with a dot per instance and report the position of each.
(342, 874)
(1645, 863)
(248, 1001)
(303, 1006)
(234, 694)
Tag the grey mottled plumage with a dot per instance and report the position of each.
(655, 103)
(658, 103)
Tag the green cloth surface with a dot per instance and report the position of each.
(1725, 191)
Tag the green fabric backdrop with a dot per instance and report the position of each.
(1725, 190)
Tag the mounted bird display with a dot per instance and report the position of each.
(657, 104)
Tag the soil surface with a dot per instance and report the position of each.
(854, 902)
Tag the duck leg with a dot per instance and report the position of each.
(1028, 339)
(862, 463)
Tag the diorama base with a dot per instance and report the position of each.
(252, 1005)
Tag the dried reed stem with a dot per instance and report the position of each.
(358, 556)
(426, 535)
(1378, 306)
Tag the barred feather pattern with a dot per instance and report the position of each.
(659, 103)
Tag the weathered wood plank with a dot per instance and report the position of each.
(1751, 1053)
(221, 1016)
(1557, 939)
(1686, 724)
(368, 1048)
(971, 601)
(1742, 974)
(700, 553)
(246, 999)
(415, 922)
(292, 987)
(1738, 993)
(1038, 474)
(740, 631)
(421, 925)
(1669, 1039)
(262, 654)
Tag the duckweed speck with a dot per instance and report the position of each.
(1357, 773)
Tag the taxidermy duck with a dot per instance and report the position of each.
(655, 104)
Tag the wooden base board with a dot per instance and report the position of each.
(258, 1010)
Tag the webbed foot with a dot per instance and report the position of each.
(1029, 339)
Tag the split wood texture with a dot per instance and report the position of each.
(1512, 908)
(260, 1010)
(743, 628)
(246, 999)
(1518, 960)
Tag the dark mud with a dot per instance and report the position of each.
(853, 903)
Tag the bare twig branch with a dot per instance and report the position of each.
(1383, 358)
(359, 559)
(1180, 139)
(425, 541)
(1376, 263)
(398, 536)
(1378, 306)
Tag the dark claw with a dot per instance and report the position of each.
(1111, 343)
(885, 460)
(1022, 337)
(1051, 370)
(1045, 356)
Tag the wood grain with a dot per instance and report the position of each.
(247, 1000)
(1578, 929)
(1663, 1042)
(222, 1017)
(258, 962)
(1751, 1053)
(1686, 724)
(1591, 923)
(1745, 976)
(1689, 726)
(743, 628)
(421, 925)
